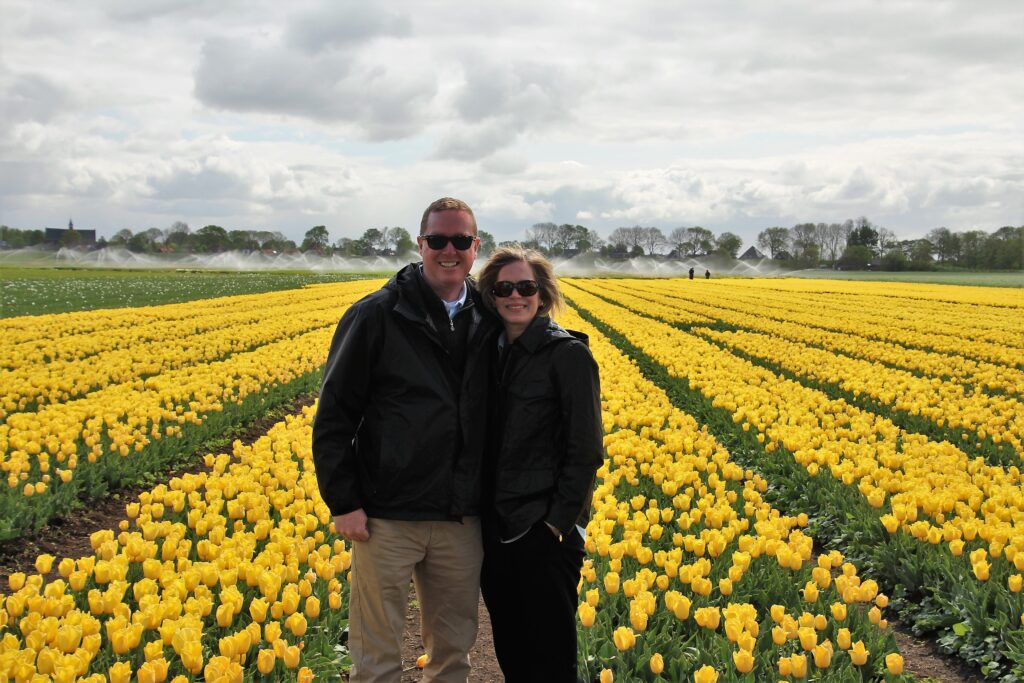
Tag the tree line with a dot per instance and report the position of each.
(854, 244)
(859, 244)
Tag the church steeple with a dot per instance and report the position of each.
(71, 226)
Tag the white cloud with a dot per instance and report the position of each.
(735, 116)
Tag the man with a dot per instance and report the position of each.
(397, 444)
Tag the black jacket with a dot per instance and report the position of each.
(400, 430)
(546, 436)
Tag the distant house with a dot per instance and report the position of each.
(58, 236)
(752, 254)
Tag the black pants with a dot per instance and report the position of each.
(529, 587)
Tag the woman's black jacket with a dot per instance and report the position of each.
(545, 430)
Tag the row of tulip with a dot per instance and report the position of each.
(751, 309)
(983, 308)
(29, 340)
(63, 452)
(229, 575)
(692, 574)
(986, 311)
(991, 425)
(957, 566)
(167, 345)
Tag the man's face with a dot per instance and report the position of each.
(447, 268)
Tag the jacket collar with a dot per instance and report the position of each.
(543, 331)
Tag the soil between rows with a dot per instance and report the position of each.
(69, 537)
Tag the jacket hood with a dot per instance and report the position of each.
(543, 331)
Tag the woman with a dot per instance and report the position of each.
(546, 445)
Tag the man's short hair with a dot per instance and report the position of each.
(446, 204)
(551, 301)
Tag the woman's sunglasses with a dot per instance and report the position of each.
(439, 242)
(503, 288)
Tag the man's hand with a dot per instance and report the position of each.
(352, 526)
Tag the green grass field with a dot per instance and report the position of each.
(35, 291)
(975, 279)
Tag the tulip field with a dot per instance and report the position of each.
(791, 464)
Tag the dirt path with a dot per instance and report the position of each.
(485, 666)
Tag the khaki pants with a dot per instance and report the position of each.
(443, 559)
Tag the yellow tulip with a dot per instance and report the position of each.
(843, 639)
(808, 638)
(607, 676)
(305, 675)
(44, 563)
(312, 607)
(705, 674)
(587, 614)
(265, 660)
(120, 672)
(743, 660)
(16, 581)
(894, 663)
(785, 666)
(657, 663)
(799, 665)
(823, 655)
(859, 654)
(258, 610)
(296, 623)
(291, 656)
(624, 638)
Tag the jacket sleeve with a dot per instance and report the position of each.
(343, 395)
(578, 385)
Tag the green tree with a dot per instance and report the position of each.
(894, 259)
(855, 257)
(728, 244)
(946, 244)
(316, 239)
(121, 238)
(774, 241)
(242, 240)
(486, 242)
(695, 241)
(863, 234)
(211, 239)
(397, 241)
(373, 242)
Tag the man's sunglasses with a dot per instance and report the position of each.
(439, 242)
(503, 288)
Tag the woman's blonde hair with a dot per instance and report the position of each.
(551, 301)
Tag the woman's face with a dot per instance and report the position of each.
(517, 311)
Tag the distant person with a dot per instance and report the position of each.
(691, 273)
(398, 441)
(546, 445)
(707, 274)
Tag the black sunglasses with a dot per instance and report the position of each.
(439, 242)
(503, 288)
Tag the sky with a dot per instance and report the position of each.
(732, 115)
